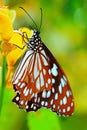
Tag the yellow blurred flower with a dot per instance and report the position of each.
(11, 39)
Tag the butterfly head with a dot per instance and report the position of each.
(36, 32)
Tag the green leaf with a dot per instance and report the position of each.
(43, 119)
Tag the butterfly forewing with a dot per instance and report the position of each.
(39, 81)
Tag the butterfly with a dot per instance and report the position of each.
(39, 80)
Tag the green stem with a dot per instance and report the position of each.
(3, 82)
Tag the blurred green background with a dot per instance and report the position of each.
(64, 32)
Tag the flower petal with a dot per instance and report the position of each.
(6, 29)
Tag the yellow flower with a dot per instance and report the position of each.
(6, 29)
(11, 39)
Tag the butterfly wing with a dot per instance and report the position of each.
(31, 77)
(59, 97)
(39, 82)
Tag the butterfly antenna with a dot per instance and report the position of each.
(41, 19)
(29, 16)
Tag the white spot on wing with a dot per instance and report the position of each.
(54, 70)
(17, 98)
(61, 102)
(46, 85)
(68, 108)
(72, 104)
(38, 84)
(53, 90)
(64, 110)
(60, 88)
(49, 71)
(64, 100)
(41, 79)
(34, 107)
(44, 94)
(49, 81)
(63, 82)
(56, 96)
(42, 103)
(54, 105)
(27, 92)
(64, 78)
(46, 104)
(53, 80)
(48, 94)
(67, 93)
(22, 102)
(51, 102)
(36, 72)
(27, 107)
